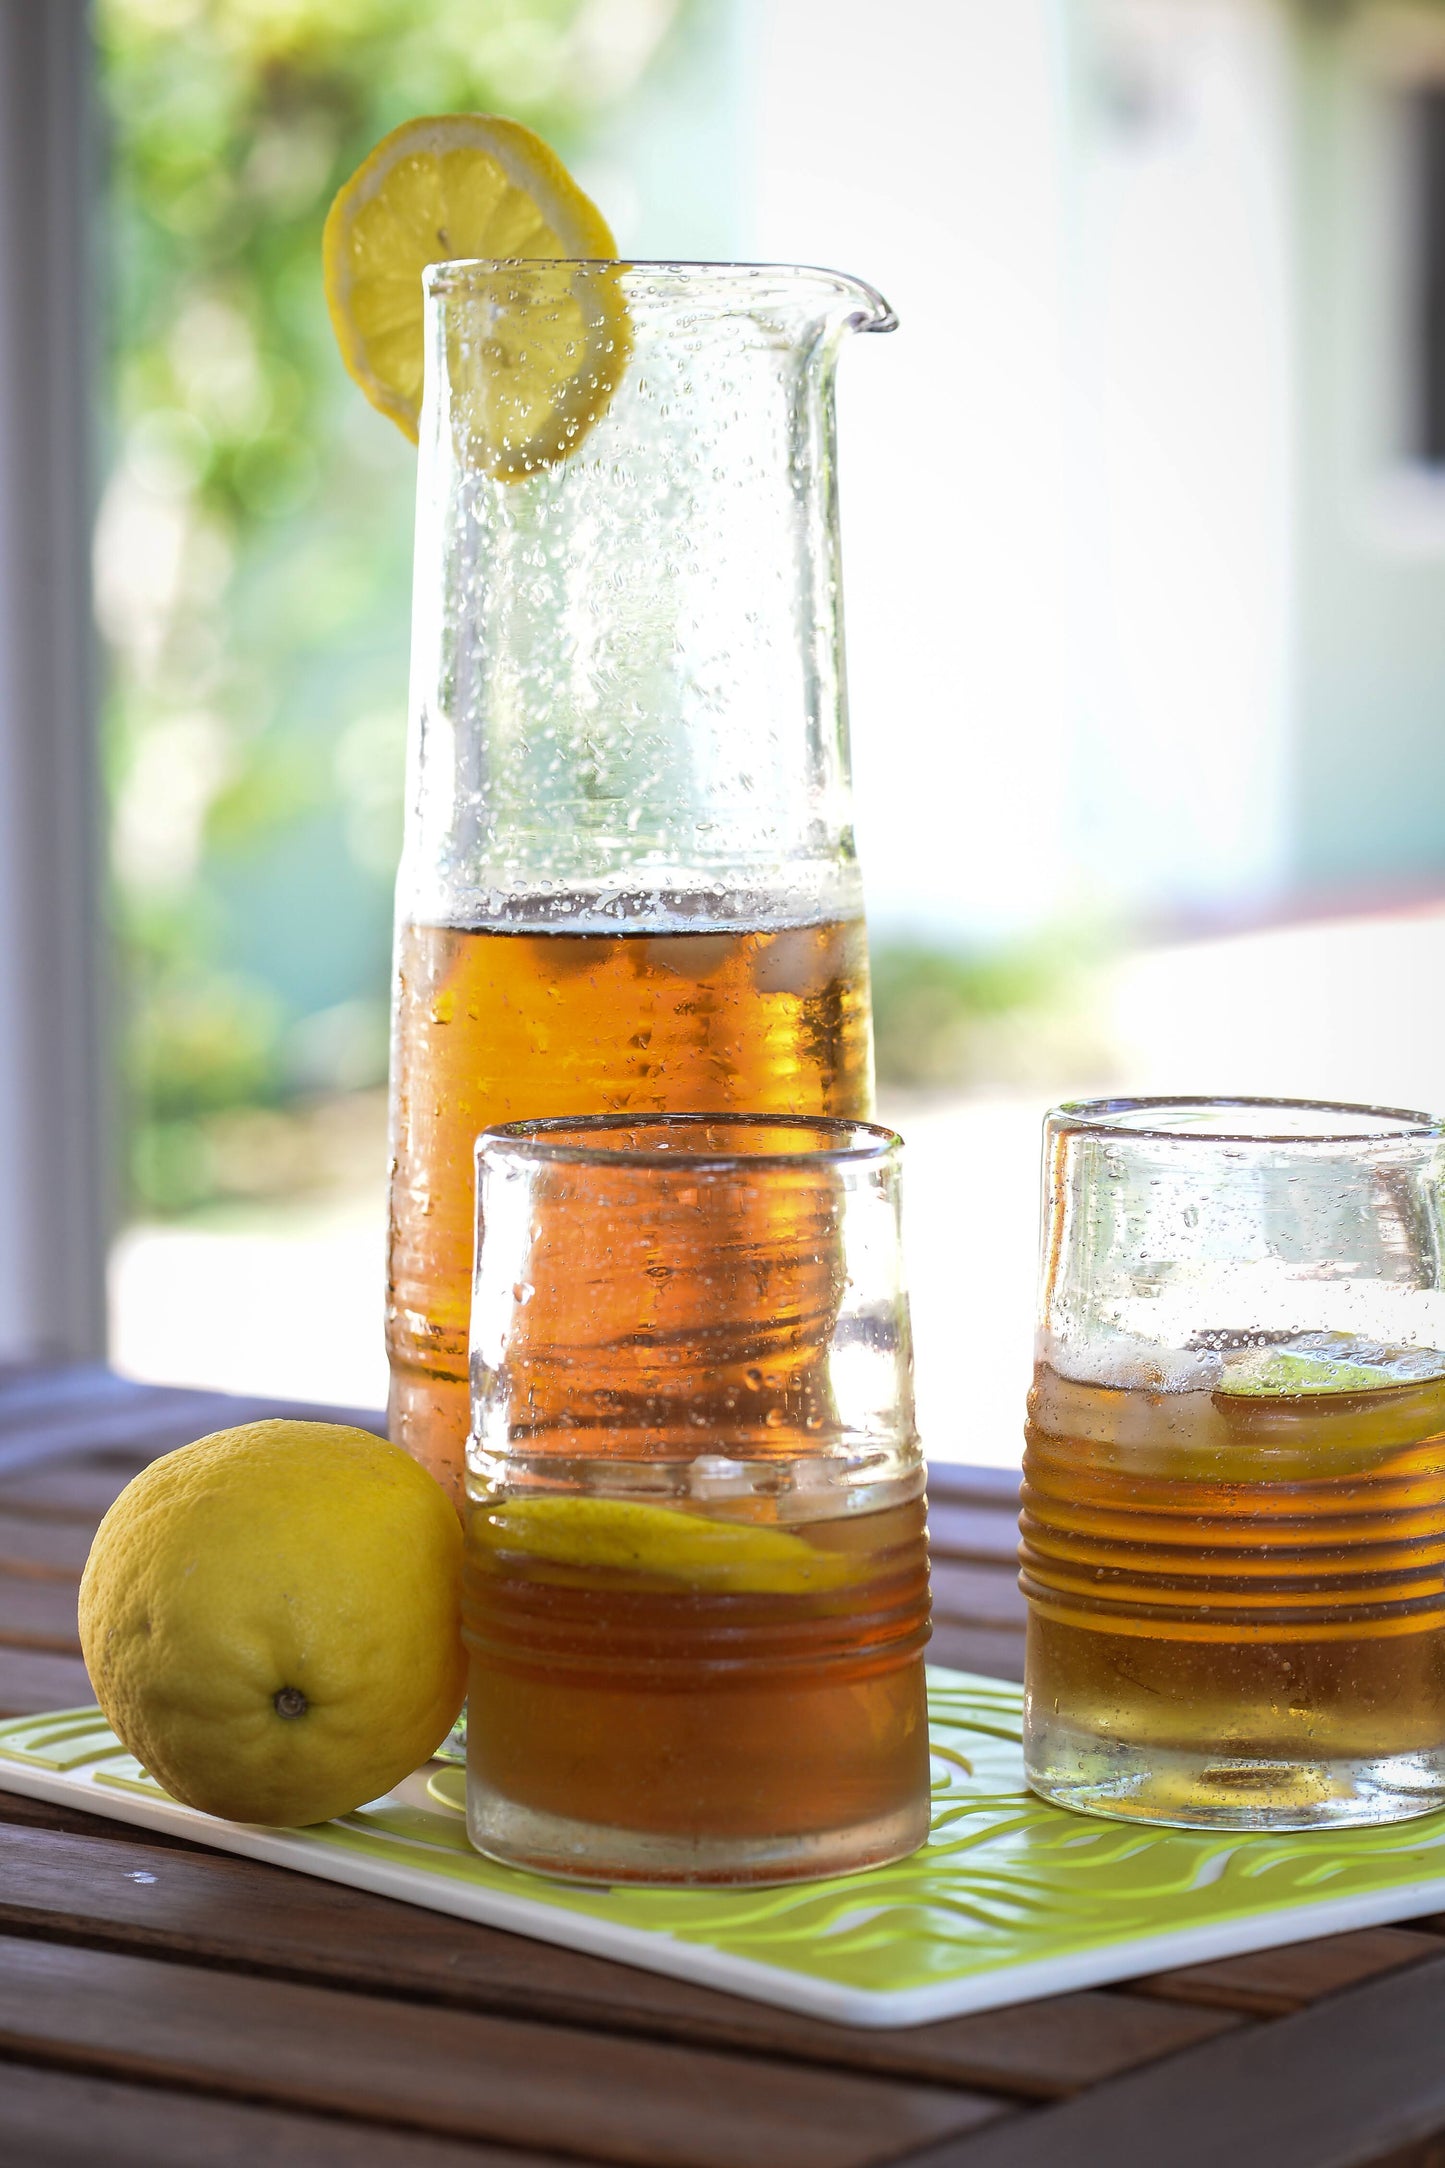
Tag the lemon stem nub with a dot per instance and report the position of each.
(290, 1701)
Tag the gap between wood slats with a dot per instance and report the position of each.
(977, 1595)
(57, 2119)
(975, 1532)
(1343, 2084)
(120, 1892)
(1270, 1983)
(454, 2073)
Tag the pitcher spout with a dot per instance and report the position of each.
(865, 308)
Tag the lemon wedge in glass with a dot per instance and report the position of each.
(659, 1543)
(456, 187)
(1317, 1363)
(1270, 1371)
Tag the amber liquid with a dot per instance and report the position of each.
(497, 1026)
(1230, 1578)
(709, 1726)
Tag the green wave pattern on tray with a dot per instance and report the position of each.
(1005, 1879)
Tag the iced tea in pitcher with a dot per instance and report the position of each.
(497, 1026)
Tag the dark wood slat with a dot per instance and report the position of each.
(992, 1650)
(81, 1489)
(163, 1420)
(25, 1813)
(453, 2072)
(1433, 1923)
(1340, 2085)
(83, 1410)
(32, 1681)
(57, 1549)
(977, 1595)
(39, 1615)
(956, 1531)
(953, 1483)
(57, 2119)
(1271, 1982)
(123, 1892)
(36, 1395)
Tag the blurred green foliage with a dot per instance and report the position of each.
(959, 1019)
(253, 571)
(253, 546)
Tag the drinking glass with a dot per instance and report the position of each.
(629, 879)
(1234, 1485)
(696, 1589)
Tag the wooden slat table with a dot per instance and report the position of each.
(162, 2004)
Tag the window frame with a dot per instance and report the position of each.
(55, 1162)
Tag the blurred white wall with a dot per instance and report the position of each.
(922, 147)
(1370, 781)
(1066, 482)
(1184, 424)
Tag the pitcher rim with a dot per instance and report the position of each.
(454, 274)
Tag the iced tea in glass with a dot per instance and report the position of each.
(696, 1595)
(1233, 1521)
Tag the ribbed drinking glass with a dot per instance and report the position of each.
(1234, 1483)
(696, 1592)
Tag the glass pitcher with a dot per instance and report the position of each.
(629, 881)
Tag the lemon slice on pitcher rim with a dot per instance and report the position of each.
(659, 1542)
(457, 187)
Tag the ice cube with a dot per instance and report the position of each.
(1132, 1365)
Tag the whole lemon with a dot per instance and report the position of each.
(271, 1619)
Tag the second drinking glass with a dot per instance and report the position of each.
(696, 1593)
(1234, 1485)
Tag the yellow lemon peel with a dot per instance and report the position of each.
(661, 1543)
(271, 1619)
(458, 187)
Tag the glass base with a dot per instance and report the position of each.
(1190, 1790)
(573, 1851)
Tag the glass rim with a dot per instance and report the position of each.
(457, 273)
(1109, 1117)
(540, 1140)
